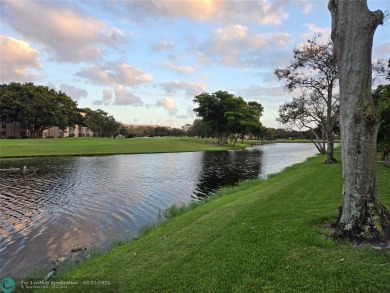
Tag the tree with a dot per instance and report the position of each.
(102, 124)
(362, 217)
(314, 71)
(199, 128)
(225, 114)
(310, 112)
(381, 96)
(37, 107)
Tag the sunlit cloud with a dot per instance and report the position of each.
(125, 97)
(114, 74)
(168, 105)
(19, 62)
(65, 33)
(261, 12)
(237, 45)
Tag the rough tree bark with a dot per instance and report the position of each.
(362, 217)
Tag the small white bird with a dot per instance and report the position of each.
(24, 168)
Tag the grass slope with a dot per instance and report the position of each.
(265, 236)
(101, 146)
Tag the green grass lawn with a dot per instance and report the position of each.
(262, 236)
(103, 146)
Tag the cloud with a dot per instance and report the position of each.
(19, 62)
(114, 74)
(126, 98)
(381, 51)
(237, 45)
(260, 12)
(118, 96)
(261, 92)
(65, 33)
(168, 105)
(315, 30)
(191, 89)
(107, 98)
(307, 8)
(74, 92)
(163, 46)
(179, 69)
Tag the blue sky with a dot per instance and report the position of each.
(144, 61)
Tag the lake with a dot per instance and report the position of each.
(60, 203)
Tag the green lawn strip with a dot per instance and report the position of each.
(103, 146)
(262, 236)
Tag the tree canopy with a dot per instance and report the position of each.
(102, 124)
(226, 115)
(37, 107)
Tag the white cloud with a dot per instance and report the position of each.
(190, 88)
(168, 105)
(107, 94)
(179, 69)
(19, 62)
(66, 34)
(73, 92)
(126, 98)
(237, 45)
(114, 74)
(119, 96)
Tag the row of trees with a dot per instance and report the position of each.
(150, 131)
(38, 107)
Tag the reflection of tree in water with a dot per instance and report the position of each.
(221, 169)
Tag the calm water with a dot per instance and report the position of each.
(60, 203)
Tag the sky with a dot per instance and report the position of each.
(144, 61)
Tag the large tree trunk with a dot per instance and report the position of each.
(362, 217)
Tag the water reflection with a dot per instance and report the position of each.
(226, 169)
(59, 203)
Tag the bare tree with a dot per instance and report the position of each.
(314, 70)
(362, 217)
(309, 111)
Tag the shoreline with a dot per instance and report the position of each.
(265, 235)
(21, 148)
(77, 147)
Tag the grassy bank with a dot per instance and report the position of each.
(265, 236)
(102, 146)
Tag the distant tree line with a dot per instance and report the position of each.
(149, 131)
